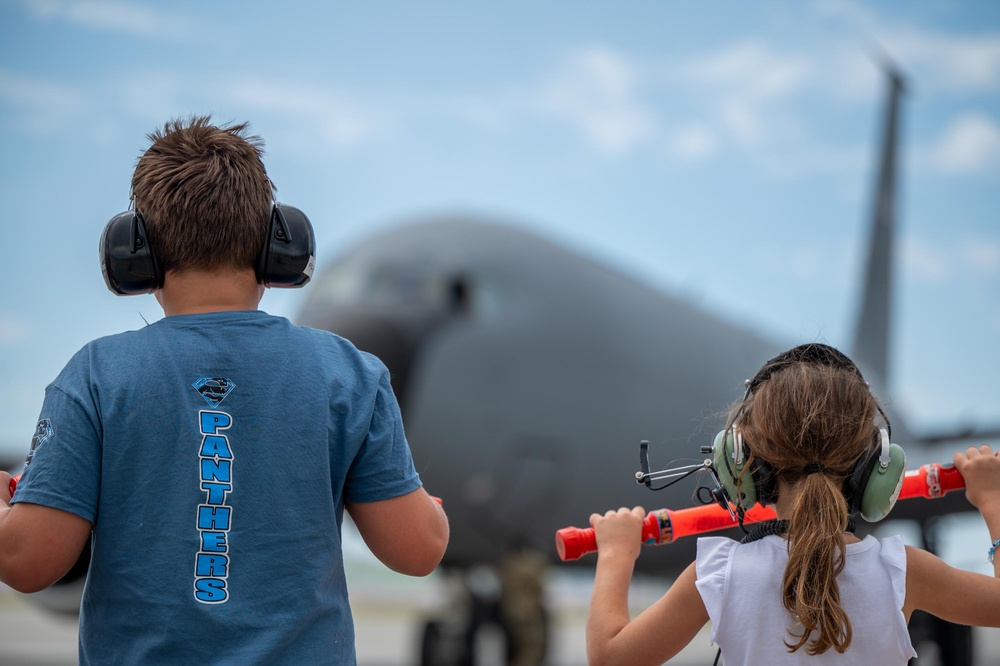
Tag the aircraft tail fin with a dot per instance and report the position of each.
(871, 335)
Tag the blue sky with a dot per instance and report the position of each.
(722, 151)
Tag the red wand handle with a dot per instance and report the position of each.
(931, 481)
(574, 542)
(665, 525)
(661, 526)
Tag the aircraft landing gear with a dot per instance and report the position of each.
(940, 643)
(498, 618)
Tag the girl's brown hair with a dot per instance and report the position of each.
(813, 423)
(204, 195)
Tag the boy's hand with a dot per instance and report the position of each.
(619, 531)
(980, 468)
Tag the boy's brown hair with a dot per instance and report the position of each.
(204, 195)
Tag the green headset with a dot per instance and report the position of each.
(871, 488)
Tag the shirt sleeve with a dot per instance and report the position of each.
(63, 470)
(712, 568)
(383, 467)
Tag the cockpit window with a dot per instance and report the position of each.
(392, 286)
(340, 284)
(399, 287)
(384, 286)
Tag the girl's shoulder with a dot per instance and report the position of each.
(713, 555)
(713, 552)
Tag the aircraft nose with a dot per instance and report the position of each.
(389, 310)
(395, 339)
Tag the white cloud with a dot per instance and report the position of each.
(13, 330)
(493, 113)
(855, 13)
(807, 263)
(970, 144)
(41, 105)
(743, 119)
(805, 158)
(114, 16)
(752, 71)
(952, 62)
(336, 117)
(332, 117)
(745, 83)
(982, 255)
(924, 261)
(593, 91)
(967, 258)
(935, 58)
(694, 142)
(596, 93)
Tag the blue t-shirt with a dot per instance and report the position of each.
(213, 453)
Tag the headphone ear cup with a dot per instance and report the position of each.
(741, 490)
(289, 253)
(881, 490)
(128, 263)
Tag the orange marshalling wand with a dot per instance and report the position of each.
(666, 525)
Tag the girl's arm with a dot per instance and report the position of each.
(659, 632)
(954, 594)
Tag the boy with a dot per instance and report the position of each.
(213, 452)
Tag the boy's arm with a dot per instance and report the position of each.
(408, 533)
(38, 544)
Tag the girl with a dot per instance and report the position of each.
(804, 589)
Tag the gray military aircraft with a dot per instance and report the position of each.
(527, 376)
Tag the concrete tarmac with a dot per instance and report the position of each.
(389, 614)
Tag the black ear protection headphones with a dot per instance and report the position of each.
(130, 267)
(871, 488)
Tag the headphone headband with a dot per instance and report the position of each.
(814, 353)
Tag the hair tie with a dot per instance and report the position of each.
(812, 468)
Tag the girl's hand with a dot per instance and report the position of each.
(5, 487)
(619, 532)
(981, 470)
